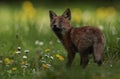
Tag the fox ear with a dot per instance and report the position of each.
(67, 14)
(52, 14)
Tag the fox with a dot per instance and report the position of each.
(84, 40)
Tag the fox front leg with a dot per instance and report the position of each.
(71, 56)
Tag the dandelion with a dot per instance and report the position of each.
(46, 66)
(77, 14)
(8, 61)
(29, 9)
(14, 69)
(111, 11)
(101, 13)
(47, 50)
(59, 57)
(24, 57)
(23, 63)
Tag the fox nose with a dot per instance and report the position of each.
(54, 26)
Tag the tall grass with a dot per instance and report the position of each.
(36, 36)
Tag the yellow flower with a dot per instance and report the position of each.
(8, 61)
(111, 11)
(47, 50)
(101, 13)
(29, 10)
(59, 57)
(23, 63)
(77, 15)
(45, 66)
(14, 68)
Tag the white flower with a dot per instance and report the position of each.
(18, 52)
(51, 57)
(27, 51)
(1, 61)
(24, 66)
(42, 61)
(24, 57)
(37, 42)
(19, 48)
(49, 65)
(41, 43)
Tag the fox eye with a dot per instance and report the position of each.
(53, 21)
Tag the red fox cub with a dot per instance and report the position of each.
(85, 40)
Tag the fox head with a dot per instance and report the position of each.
(60, 23)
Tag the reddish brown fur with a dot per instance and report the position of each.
(85, 40)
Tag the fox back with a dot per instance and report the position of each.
(85, 40)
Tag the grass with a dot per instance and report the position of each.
(46, 57)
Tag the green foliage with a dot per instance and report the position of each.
(29, 49)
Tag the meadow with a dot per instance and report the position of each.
(30, 50)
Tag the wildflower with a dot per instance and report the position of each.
(41, 43)
(18, 52)
(111, 11)
(46, 66)
(23, 63)
(29, 10)
(101, 27)
(59, 57)
(14, 69)
(51, 57)
(1, 61)
(19, 48)
(27, 64)
(37, 42)
(47, 50)
(42, 61)
(77, 14)
(101, 13)
(27, 51)
(24, 57)
(8, 61)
